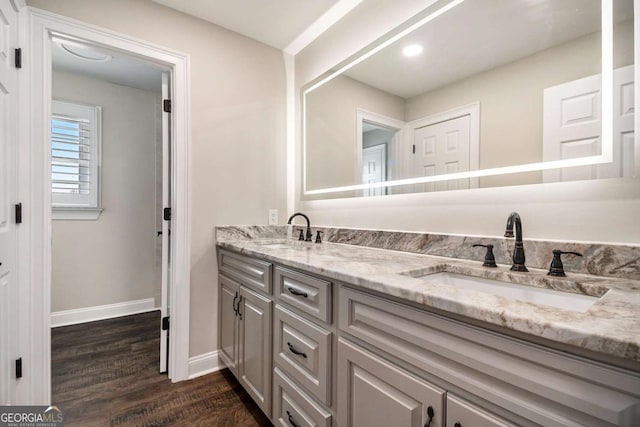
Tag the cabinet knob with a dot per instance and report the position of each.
(457, 425)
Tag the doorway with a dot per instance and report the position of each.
(38, 183)
(109, 185)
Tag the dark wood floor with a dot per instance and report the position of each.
(106, 374)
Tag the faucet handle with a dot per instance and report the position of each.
(301, 235)
(557, 268)
(318, 236)
(489, 259)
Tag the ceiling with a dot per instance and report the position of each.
(273, 22)
(118, 67)
(476, 36)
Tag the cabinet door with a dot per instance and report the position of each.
(374, 392)
(463, 414)
(255, 347)
(228, 323)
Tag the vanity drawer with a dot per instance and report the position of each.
(248, 271)
(306, 293)
(292, 407)
(303, 351)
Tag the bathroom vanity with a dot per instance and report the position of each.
(342, 335)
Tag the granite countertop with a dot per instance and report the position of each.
(610, 326)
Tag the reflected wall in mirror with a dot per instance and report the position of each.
(489, 84)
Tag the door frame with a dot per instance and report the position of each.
(384, 121)
(35, 179)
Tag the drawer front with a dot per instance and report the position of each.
(306, 293)
(292, 407)
(248, 271)
(303, 351)
(461, 413)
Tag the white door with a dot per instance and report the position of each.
(442, 148)
(572, 127)
(374, 160)
(166, 198)
(8, 200)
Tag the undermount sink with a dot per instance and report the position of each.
(541, 296)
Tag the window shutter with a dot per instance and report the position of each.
(71, 154)
(75, 155)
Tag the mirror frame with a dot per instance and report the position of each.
(606, 104)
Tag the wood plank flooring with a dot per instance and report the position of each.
(106, 374)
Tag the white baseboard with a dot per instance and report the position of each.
(101, 312)
(203, 364)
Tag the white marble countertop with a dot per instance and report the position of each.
(611, 326)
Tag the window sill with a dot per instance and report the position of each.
(75, 214)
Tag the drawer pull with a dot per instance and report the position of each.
(430, 414)
(291, 420)
(296, 292)
(457, 425)
(293, 350)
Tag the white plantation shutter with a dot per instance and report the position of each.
(75, 155)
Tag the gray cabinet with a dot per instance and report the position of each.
(245, 324)
(228, 323)
(378, 361)
(522, 382)
(374, 392)
(254, 350)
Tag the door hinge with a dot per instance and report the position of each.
(19, 213)
(19, 368)
(165, 323)
(18, 57)
(414, 148)
(166, 105)
(166, 214)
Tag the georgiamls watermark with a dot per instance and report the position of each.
(31, 416)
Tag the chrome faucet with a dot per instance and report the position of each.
(518, 250)
(308, 233)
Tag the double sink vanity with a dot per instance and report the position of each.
(335, 334)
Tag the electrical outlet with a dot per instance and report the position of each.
(273, 216)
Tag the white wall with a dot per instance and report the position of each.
(238, 167)
(332, 149)
(605, 210)
(112, 259)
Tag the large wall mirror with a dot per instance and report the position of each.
(477, 93)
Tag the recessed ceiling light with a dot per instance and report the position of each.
(412, 50)
(85, 52)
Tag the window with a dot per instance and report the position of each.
(75, 160)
